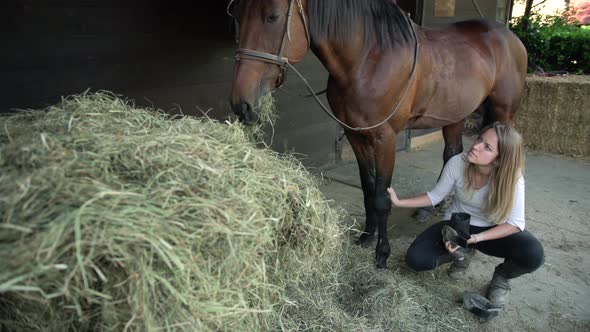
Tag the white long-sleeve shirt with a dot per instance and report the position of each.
(452, 178)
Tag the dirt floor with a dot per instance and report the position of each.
(554, 298)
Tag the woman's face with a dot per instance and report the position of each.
(484, 150)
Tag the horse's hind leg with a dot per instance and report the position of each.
(509, 86)
(504, 100)
(453, 137)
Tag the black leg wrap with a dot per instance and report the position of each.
(382, 252)
(382, 209)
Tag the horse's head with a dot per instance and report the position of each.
(270, 33)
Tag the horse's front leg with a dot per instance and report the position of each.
(364, 157)
(384, 162)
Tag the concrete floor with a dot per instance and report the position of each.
(554, 298)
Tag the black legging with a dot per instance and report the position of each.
(522, 249)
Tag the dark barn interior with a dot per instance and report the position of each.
(142, 49)
(175, 54)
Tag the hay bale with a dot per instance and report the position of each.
(118, 218)
(555, 115)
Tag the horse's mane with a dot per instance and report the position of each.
(380, 21)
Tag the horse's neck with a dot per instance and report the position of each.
(338, 60)
(346, 62)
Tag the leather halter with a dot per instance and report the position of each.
(278, 59)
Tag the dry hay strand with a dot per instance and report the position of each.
(263, 131)
(119, 218)
(554, 115)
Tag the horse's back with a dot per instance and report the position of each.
(465, 61)
(497, 37)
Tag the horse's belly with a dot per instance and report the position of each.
(441, 116)
(447, 106)
(428, 122)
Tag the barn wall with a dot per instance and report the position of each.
(465, 9)
(413, 7)
(61, 47)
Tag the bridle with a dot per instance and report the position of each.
(278, 59)
(283, 63)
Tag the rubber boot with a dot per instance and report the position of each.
(456, 230)
(458, 268)
(499, 287)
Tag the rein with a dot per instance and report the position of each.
(283, 62)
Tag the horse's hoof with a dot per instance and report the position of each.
(381, 263)
(365, 240)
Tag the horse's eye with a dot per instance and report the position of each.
(272, 18)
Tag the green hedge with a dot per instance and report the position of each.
(554, 44)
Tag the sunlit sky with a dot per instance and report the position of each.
(550, 7)
(553, 7)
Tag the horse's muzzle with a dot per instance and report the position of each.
(244, 111)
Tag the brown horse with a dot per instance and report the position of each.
(380, 80)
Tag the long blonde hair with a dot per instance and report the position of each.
(509, 166)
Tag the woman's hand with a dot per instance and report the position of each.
(417, 201)
(393, 196)
(473, 239)
(450, 248)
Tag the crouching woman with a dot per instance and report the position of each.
(488, 184)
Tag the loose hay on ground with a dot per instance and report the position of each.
(119, 218)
